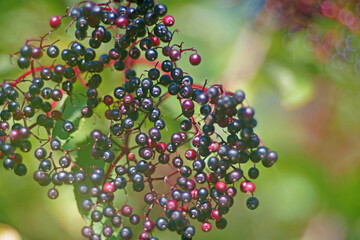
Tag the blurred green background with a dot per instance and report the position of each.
(308, 111)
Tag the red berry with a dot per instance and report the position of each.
(172, 205)
(185, 208)
(247, 187)
(194, 193)
(195, 59)
(250, 187)
(190, 154)
(4, 126)
(169, 20)
(122, 21)
(214, 146)
(55, 22)
(109, 187)
(108, 100)
(126, 210)
(155, 41)
(221, 186)
(206, 227)
(243, 186)
(215, 214)
(190, 184)
(131, 156)
(128, 99)
(152, 143)
(161, 147)
(144, 236)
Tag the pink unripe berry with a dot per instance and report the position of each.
(4, 126)
(128, 99)
(144, 236)
(184, 209)
(131, 156)
(206, 227)
(108, 100)
(248, 187)
(55, 22)
(190, 154)
(190, 184)
(243, 186)
(221, 186)
(215, 214)
(194, 193)
(214, 146)
(152, 143)
(122, 21)
(169, 20)
(172, 205)
(109, 187)
(160, 147)
(155, 41)
(195, 59)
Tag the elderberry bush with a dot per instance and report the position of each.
(182, 175)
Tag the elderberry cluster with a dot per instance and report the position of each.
(187, 173)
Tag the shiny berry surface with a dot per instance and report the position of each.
(150, 132)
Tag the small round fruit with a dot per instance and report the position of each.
(169, 20)
(55, 22)
(53, 193)
(206, 227)
(195, 59)
(252, 203)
